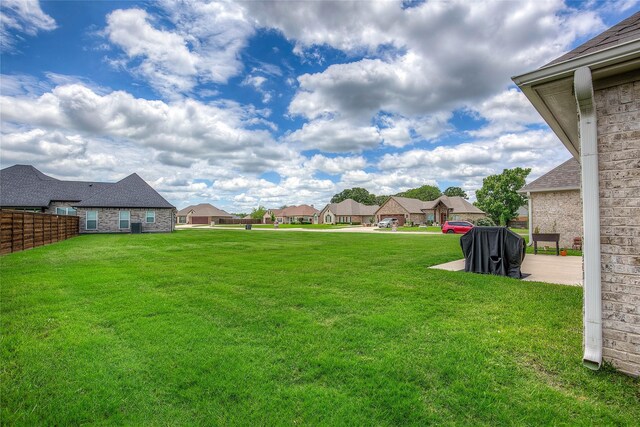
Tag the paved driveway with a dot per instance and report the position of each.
(563, 270)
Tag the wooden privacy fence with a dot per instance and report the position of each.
(25, 230)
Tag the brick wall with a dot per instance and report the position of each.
(391, 207)
(618, 117)
(109, 219)
(558, 212)
(53, 205)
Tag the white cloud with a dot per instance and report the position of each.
(468, 163)
(203, 46)
(334, 165)
(508, 111)
(21, 16)
(442, 56)
(333, 135)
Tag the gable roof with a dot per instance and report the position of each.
(27, 187)
(563, 177)
(410, 205)
(203, 209)
(350, 207)
(129, 192)
(622, 32)
(457, 204)
(302, 210)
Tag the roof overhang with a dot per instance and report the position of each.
(546, 190)
(550, 89)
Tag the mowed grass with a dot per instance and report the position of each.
(231, 327)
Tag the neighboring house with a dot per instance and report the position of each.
(103, 207)
(590, 97)
(555, 202)
(204, 213)
(300, 214)
(444, 208)
(293, 215)
(348, 212)
(455, 208)
(403, 209)
(277, 214)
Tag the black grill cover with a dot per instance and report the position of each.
(493, 250)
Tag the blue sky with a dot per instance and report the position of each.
(270, 103)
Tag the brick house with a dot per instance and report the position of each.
(555, 202)
(294, 215)
(204, 213)
(590, 97)
(348, 212)
(454, 208)
(103, 207)
(444, 208)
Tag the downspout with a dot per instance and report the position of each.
(530, 206)
(583, 85)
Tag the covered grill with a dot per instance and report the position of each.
(493, 250)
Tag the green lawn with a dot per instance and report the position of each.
(244, 328)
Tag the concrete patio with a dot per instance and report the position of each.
(563, 270)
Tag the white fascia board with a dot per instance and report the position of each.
(547, 190)
(603, 58)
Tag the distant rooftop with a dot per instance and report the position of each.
(563, 177)
(203, 209)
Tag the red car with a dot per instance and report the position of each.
(458, 227)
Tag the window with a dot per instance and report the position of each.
(65, 211)
(182, 220)
(151, 217)
(92, 220)
(327, 218)
(124, 219)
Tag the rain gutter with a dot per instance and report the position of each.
(583, 85)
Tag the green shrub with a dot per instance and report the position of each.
(485, 222)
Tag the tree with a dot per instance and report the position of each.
(424, 193)
(498, 197)
(455, 191)
(360, 195)
(258, 213)
(380, 200)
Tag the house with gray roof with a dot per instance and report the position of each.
(348, 212)
(555, 203)
(203, 213)
(415, 211)
(590, 98)
(103, 207)
(454, 208)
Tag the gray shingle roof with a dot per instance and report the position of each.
(456, 203)
(129, 192)
(625, 31)
(409, 204)
(563, 177)
(203, 209)
(25, 186)
(350, 207)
